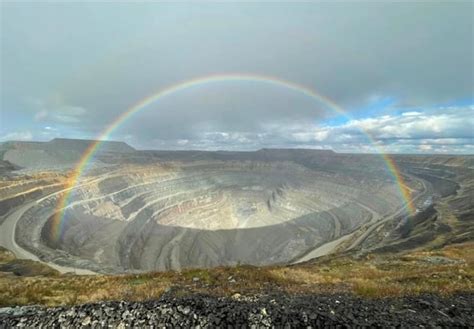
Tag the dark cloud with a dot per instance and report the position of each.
(103, 58)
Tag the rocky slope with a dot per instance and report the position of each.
(205, 213)
(341, 311)
(160, 210)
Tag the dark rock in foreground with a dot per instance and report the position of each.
(338, 311)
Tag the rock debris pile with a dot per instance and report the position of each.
(201, 311)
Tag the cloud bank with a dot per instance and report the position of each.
(403, 71)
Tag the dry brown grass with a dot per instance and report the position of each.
(380, 276)
(373, 276)
(6, 255)
(71, 289)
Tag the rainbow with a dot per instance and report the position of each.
(59, 216)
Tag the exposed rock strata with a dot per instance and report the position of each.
(158, 210)
(209, 214)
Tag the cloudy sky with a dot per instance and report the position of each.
(403, 73)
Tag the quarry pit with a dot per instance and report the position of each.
(138, 211)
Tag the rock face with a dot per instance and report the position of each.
(161, 210)
(259, 312)
(207, 209)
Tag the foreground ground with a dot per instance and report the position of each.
(433, 288)
(277, 310)
(443, 271)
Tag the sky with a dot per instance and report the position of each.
(402, 71)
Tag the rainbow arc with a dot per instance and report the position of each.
(59, 217)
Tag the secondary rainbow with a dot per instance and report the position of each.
(59, 216)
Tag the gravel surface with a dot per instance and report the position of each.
(334, 311)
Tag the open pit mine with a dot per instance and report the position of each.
(135, 211)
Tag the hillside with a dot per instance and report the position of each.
(57, 153)
(291, 232)
(378, 290)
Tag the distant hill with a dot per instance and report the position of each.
(59, 152)
(82, 144)
(268, 154)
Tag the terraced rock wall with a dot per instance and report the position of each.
(206, 214)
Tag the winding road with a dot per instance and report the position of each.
(373, 227)
(7, 240)
(375, 222)
(8, 229)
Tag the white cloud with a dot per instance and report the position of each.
(447, 130)
(425, 147)
(410, 114)
(443, 130)
(451, 123)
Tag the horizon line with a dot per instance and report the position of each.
(231, 150)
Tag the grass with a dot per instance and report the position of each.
(408, 274)
(71, 289)
(6, 255)
(374, 276)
